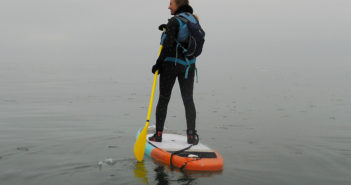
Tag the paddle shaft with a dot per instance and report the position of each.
(152, 92)
(139, 146)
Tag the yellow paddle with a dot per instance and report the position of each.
(139, 146)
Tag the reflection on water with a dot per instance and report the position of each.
(140, 172)
(163, 175)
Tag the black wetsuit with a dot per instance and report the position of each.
(169, 71)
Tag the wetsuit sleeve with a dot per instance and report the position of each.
(169, 44)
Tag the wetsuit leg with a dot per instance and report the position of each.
(167, 80)
(186, 89)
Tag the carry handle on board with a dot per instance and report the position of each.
(139, 146)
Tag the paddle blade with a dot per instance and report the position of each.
(139, 146)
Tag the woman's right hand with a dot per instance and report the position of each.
(162, 27)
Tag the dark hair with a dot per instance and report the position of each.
(182, 2)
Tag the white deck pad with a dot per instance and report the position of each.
(174, 142)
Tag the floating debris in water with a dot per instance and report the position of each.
(112, 146)
(100, 163)
(108, 161)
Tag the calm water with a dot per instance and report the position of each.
(273, 95)
(59, 129)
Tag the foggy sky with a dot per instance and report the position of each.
(122, 36)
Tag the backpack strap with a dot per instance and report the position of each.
(186, 63)
(187, 17)
(182, 19)
(163, 37)
(180, 61)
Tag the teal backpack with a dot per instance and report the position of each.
(190, 32)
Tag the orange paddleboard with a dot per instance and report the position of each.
(176, 152)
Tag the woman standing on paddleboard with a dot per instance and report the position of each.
(172, 63)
